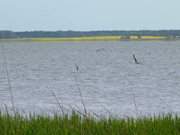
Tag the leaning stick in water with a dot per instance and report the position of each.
(135, 60)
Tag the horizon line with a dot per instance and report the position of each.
(87, 30)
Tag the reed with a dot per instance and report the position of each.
(75, 124)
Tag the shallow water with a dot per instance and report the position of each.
(104, 73)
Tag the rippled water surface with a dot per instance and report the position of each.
(103, 75)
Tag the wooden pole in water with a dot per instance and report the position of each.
(135, 60)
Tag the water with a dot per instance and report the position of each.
(105, 73)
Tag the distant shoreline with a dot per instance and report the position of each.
(93, 38)
(91, 35)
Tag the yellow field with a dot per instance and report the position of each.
(91, 38)
(153, 37)
(99, 38)
(94, 38)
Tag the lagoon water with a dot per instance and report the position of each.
(103, 75)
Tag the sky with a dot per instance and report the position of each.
(85, 15)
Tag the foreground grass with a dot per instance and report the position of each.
(77, 125)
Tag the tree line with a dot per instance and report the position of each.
(39, 34)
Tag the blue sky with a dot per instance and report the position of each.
(22, 15)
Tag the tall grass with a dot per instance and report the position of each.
(5, 63)
(78, 125)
